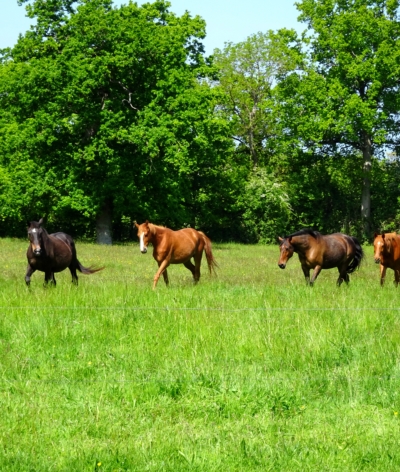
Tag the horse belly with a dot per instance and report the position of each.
(61, 262)
(335, 253)
(181, 257)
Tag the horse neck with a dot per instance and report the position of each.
(157, 233)
(46, 241)
(301, 243)
(391, 244)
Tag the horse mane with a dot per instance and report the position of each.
(302, 232)
(153, 226)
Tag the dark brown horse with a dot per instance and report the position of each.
(175, 247)
(52, 253)
(387, 254)
(317, 252)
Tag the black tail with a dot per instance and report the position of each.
(87, 270)
(358, 257)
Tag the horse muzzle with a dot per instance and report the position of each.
(377, 260)
(37, 252)
(282, 266)
(144, 250)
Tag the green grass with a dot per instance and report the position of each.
(248, 371)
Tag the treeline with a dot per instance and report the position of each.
(109, 115)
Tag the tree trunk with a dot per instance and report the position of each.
(366, 188)
(104, 224)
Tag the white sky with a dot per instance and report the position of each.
(227, 20)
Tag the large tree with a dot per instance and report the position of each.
(103, 115)
(247, 75)
(347, 100)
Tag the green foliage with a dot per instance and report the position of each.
(266, 208)
(345, 100)
(247, 74)
(110, 104)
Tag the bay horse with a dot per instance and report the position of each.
(387, 254)
(52, 253)
(176, 247)
(317, 251)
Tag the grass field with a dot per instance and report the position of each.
(248, 371)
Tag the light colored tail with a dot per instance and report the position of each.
(212, 263)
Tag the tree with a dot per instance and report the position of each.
(347, 99)
(104, 113)
(247, 74)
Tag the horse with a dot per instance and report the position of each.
(175, 247)
(317, 251)
(52, 253)
(387, 254)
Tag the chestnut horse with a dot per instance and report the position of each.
(317, 251)
(175, 247)
(387, 254)
(52, 253)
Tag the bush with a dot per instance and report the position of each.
(266, 209)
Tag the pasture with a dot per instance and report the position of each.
(251, 370)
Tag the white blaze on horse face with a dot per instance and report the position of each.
(378, 249)
(143, 248)
(34, 230)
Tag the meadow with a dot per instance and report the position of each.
(247, 371)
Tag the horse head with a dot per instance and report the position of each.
(144, 235)
(35, 236)
(382, 245)
(287, 251)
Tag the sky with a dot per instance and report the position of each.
(227, 20)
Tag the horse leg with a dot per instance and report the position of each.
(197, 261)
(383, 274)
(49, 277)
(396, 277)
(72, 269)
(306, 272)
(317, 270)
(162, 269)
(192, 269)
(343, 276)
(165, 276)
(29, 271)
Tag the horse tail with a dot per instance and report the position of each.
(212, 263)
(87, 270)
(358, 256)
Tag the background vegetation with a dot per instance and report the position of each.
(250, 370)
(113, 114)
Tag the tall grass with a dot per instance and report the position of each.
(251, 370)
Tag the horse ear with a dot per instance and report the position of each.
(135, 224)
(290, 240)
(383, 235)
(375, 234)
(280, 239)
(146, 222)
(40, 221)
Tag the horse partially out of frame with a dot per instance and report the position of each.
(176, 247)
(51, 253)
(387, 254)
(317, 251)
